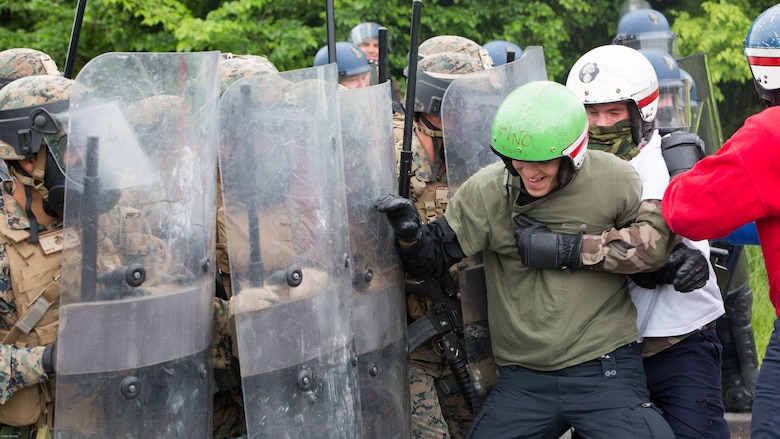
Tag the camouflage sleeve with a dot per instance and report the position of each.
(20, 368)
(221, 343)
(644, 245)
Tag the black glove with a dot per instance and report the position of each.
(687, 269)
(541, 248)
(681, 151)
(49, 360)
(402, 216)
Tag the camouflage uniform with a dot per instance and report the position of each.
(434, 415)
(29, 268)
(26, 386)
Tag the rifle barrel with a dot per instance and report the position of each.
(411, 86)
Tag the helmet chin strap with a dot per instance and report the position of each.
(429, 129)
(33, 182)
(36, 179)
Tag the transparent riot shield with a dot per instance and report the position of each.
(138, 244)
(378, 306)
(286, 220)
(468, 107)
(705, 120)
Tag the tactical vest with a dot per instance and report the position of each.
(35, 272)
(430, 198)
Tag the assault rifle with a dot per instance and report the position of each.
(445, 319)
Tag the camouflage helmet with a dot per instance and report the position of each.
(150, 115)
(435, 73)
(20, 62)
(454, 43)
(234, 67)
(32, 110)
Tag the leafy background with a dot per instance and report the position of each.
(290, 32)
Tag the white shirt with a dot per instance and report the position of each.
(665, 311)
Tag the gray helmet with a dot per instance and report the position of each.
(435, 73)
(499, 49)
(364, 31)
(234, 67)
(646, 29)
(350, 59)
(20, 62)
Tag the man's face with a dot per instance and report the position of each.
(606, 115)
(539, 178)
(370, 46)
(356, 81)
(667, 115)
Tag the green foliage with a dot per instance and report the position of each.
(290, 32)
(763, 311)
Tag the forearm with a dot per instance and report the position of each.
(643, 245)
(21, 367)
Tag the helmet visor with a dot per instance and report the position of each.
(674, 106)
(23, 130)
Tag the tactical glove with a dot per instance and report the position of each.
(49, 360)
(539, 247)
(681, 151)
(687, 269)
(402, 216)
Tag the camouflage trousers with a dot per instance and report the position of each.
(229, 418)
(433, 417)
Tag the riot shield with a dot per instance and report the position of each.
(707, 124)
(378, 306)
(468, 107)
(135, 316)
(286, 220)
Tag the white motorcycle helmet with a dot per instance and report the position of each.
(613, 73)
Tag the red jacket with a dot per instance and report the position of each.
(738, 184)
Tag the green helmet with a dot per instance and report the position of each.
(20, 62)
(435, 73)
(234, 67)
(541, 121)
(33, 109)
(454, 43)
